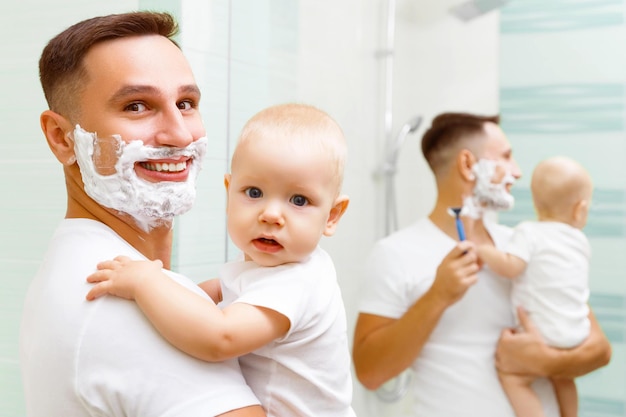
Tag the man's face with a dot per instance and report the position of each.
(140, 90)
(495, 171)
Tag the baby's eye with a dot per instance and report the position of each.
(136, 107)
(253, 192)
(299, 200)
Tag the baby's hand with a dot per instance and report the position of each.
(122, 277)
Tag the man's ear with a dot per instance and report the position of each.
(56, 128)
(465, 160)
(339, 207)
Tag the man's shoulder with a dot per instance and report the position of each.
(89, 236)
(420, 238)
(77, 229)
(417, 233)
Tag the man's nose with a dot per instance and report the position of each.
(516, 172)
(175, 128)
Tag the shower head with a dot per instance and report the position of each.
(409, 127)
(414, 123)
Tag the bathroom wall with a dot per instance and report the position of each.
(562, 76)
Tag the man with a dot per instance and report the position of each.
(430, 306)
(124, 122)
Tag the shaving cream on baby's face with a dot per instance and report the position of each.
(489, 195)
(107, 166)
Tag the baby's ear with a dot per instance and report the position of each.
(339, 207)
(227, 186)
(57, 128)
(581, 209)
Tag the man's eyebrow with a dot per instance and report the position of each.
(190, 89)
(131, 90)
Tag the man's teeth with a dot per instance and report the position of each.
(169, 167)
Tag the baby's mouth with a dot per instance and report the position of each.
(267, 245)
(267, 241)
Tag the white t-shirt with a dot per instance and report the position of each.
(455, 373)
(307, 372)
(103, 358)
(554, 286)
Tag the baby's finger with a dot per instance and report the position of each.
(109, 264)
(98, 276)
(97, 291)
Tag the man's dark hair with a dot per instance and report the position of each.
(447, 132)
(61, 70)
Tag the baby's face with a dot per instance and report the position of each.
(279, 202)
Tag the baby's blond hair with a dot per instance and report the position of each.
(299, 126)
(558, 184)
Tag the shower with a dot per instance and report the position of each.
(389, 169)
(397, 387)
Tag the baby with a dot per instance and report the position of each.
(549, 262)
(283, 313)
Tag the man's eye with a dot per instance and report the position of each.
(253, 192)
(185, 105)
(136, 107)
(299, 200)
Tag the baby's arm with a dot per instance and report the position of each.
(500, 262)
(213, 288)
(188, 321)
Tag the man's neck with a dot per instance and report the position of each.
(159, 245)
(155, 243)
(474, 228)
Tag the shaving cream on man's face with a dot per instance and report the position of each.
(107, 167)
(487, 194)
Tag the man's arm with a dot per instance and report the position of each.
(384, 347)
(526, 352)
